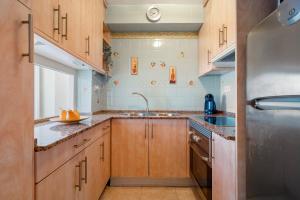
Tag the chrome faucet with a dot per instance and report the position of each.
(146, 100)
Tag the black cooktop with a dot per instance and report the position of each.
(219, 120)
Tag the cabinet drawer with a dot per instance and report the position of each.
(47, 161)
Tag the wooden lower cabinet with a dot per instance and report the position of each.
(61, 185)
(16, 85)
(167, 148)
(129, 148)
(84, 177)
(105, 161)
(223, 169)
(146, 148)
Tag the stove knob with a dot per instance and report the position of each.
(196, 138)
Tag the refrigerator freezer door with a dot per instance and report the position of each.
(273, 134)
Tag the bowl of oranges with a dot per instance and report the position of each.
(69, 117)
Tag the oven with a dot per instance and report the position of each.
(200, 158)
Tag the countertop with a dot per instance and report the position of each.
(49, 134)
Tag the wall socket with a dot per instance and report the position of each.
(227, 88)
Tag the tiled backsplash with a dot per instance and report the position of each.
(228, 92)
(188, 92)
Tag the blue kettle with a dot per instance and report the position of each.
(210, 105)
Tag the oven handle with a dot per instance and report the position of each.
(197, 151)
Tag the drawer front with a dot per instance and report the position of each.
(48, 161)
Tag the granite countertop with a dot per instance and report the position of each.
(49, 134)
(227, 132)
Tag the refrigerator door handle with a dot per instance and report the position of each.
(285, 102)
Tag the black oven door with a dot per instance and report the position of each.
(201, 169)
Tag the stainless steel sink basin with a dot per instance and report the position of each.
(166, 114)
(150, 114)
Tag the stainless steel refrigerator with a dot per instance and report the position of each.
(273, 106)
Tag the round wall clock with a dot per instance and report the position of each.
(153, 14)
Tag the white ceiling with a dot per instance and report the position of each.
(135, 2)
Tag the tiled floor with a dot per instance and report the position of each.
(148, 193)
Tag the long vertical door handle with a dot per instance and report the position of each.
(30, 39)
(79, 176)
(58, 19)
(145, 130)
(85, 169)
(225, 29)
(221, 39)
(152, 136)
(65, 35)
(103, 153)
(208, 57)
(87, 49)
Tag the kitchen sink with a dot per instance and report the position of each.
(150, 114)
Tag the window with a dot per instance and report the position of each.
(53, 90)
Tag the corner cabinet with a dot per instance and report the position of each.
(73, 25)
(223, 168)
(82, 177)
(149, 148)
(217, 35)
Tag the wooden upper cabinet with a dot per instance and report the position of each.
(129, 149)
(168, 148)
(74, 25)
(230, 23)
(47, 15)
(70, 26)
(217, 22)
(223, 169)
(64, 183)
(16, 85)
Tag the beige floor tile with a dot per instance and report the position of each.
(148, 193)
(186, 194)
(159, 193)
(122, 193)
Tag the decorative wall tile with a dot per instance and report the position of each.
(162, 94)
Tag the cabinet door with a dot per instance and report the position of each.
(94, 170)
(217, 29)
(70, 26)
(105, 161)
(16, 85)
(129, 149)
(168, 148)
(230, 23)
(46, 15)
(63, 184)
(223, 169)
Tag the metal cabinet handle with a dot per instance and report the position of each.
(205, 159)
(102, 151)
(30, 39)
(145, 130)
(81, 143)
(79, 185)
(65, 35)
(208, 57)
(213, 151)
(152, 135)
(225, 34)
(221, 39)
(58, 19)
(85, 169)
(87, 45)
(105, 128)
